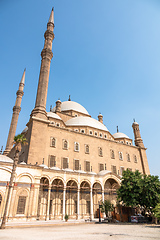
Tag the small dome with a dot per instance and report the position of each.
(55, 168)
(43, 165)
(92, 173)
(23, 163)
(70, 105)
(67, 170)
(86, 121)
(135, 123)
(120, 135)
(79, 171)
(53, 115)
(4, 158)
(103, 172)
(25, 130)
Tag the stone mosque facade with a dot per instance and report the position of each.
(71, 163)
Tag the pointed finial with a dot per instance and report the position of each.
(69, 99)
(43, 161)
(117, 129)
(134, 120)
(23, 77)
(51, 18)
(50, 108)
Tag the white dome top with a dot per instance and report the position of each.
(70, 105)
(4, 158)
(135, 123)
(86, 121)
(53, 115)
(120, 135)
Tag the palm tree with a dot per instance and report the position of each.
(19, 140)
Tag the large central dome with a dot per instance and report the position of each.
(86, 121)
(70, 105)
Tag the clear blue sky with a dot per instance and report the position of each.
(106, 56)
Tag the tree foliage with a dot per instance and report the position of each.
(156, 211)
(107, 206)
(19, 140)
(130, 189)
(139, 190)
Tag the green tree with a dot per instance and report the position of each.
(107, 206)
(150, 193)
(130, 189)
(156, 211)
(139, 190)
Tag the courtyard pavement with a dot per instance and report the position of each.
(86, 231)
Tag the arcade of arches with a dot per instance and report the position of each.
(55, 199)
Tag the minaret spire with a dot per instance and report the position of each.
(15, 115)
(137, 136)
(46, 54)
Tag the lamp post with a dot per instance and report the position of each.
(16, 158)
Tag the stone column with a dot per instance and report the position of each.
(64, 202)
(30, 201)
(48, 203)
(12, 210)
(103, 201)
(91, 204)
(78, 198)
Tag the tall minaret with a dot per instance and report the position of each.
(15, 115)
(46, 54)
(138, 140)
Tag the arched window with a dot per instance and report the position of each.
(120, 156)
(87, 149)
(100, 152)
(76, 146)
(65, 144)
(53, 142)
(135, 158)
(112, 154)
(128, 157)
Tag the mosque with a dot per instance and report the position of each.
(71, 161)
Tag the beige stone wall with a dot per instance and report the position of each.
(39, 148)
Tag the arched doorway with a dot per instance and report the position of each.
(110, 190)
(97, 197)
(71, 198)
(56, 199)
(43, 198)
(84, 199)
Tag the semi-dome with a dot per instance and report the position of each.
(53, 115)
(70, 105)
(6, 159)
(25, 130)
(120, 135)
(86, 121)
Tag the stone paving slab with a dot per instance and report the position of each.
(85, 231)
